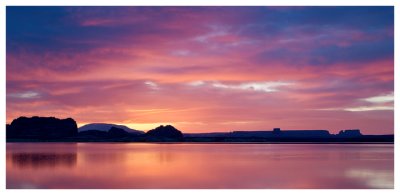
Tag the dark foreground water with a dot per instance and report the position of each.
(138, 166)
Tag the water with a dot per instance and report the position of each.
(194, 166)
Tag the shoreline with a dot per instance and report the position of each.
(191, 142)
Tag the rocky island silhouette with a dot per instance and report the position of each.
(51, 129)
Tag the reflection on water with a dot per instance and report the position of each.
(107, 165)
(375, 179)
(43, 160)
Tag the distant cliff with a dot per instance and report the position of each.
(350, 133)
(41, 128)
(292, 136)
(275, 133)
(283, 134)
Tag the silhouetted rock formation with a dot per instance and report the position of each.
(41, 128)
(350, 133)
(276, 130)
(167, 131)
(9, 131)
(107, 127)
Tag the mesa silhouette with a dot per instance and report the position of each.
(51, 129)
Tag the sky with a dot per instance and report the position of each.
(204, 69)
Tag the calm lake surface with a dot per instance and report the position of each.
(194, 166)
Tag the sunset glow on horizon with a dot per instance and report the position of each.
(204, 69)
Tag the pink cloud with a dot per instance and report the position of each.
(136, 67)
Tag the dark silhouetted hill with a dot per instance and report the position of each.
(103, 135)
(167, 132)
(107, 127)
(41, 128)
(117, 132)
(93, 134)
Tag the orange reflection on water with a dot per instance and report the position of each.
(108, 165)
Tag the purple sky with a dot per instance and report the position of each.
(204, 69)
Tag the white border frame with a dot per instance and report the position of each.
(5, 3)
